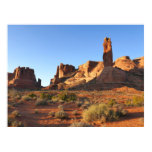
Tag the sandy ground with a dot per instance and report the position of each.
(135, 117)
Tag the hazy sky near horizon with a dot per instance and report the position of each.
(44, 47)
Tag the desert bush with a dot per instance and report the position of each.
(101, 111)
(54, 99)
(51, 114)
(12, 92)
(65, 96)
(95, 112)
(61, 114)
(14, 123)
(18, 96)
(41, 102)
(26, 98)
(17, 124)
(138, 101)
(15, 114)
(32, 95)
(80, 124)
(112, 102)
(45, 96)
(128, 103)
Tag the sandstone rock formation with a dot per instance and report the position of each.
(97, 75)
(23, 78)
(65, 69)
(107, 55)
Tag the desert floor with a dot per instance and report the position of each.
(31, 115)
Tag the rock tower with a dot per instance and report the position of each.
(107, 54)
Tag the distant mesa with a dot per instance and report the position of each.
(23, 78)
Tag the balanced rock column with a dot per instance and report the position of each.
(107, 54)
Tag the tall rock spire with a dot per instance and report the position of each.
(107, 54)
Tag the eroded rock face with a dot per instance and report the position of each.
(107, 55)
(90, 68)
(62, 72)
(125, 63)
(94, 75)
(23, 78)
(65, 69)
(111, 74)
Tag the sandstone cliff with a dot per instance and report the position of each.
(23, 78)
(97, 75)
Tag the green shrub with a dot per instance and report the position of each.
(54, 99)
(32, 95)
(15, 114)
(41, 102)
(95, 112)
(72, 97)
(61, 114)
(138, 101)
(101, 112)
(14, 123)
(80, 124)
(13, 92)
(18, 96)
(17, 124)
(45, 96)
(112, 102)
(26, 98)
(128, 103)
(65, 96)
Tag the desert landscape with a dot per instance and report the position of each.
(97, 94)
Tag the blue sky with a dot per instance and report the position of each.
(43, 47)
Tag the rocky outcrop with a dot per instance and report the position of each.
(65, 69)
(23, 78)
(97, 75)
(107, 54)
(111, 74)
(125, 63)
(90, 69)
(63, 72)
